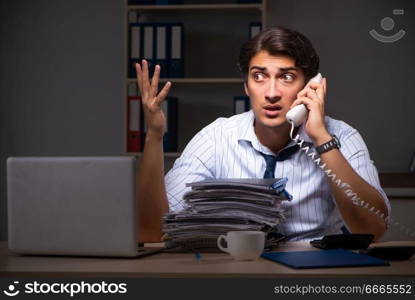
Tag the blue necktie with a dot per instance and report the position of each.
(271, 160)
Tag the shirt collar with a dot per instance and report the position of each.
(246, 133)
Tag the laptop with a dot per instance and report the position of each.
(83, 206)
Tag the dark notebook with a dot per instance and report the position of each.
(332, 258)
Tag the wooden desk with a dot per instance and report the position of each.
(181, 265)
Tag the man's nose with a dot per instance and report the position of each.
(272, 92)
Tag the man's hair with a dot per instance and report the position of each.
(281, 41)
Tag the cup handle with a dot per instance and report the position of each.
(219, 241)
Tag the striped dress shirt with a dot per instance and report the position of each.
(229, 148)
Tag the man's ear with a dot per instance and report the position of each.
(246, 88)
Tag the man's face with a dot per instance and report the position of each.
(273, 84)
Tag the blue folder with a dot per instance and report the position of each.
(254, 29)
(134, 48)
(142, 44)
(241, 104)
(170, 109)
(175, 46)
(161, 48)
(148, 45)
(332, 258)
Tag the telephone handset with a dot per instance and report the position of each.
(298, 114)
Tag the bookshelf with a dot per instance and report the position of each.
(206, 92)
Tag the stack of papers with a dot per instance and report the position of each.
(216, 206)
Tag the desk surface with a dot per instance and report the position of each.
(181, 265)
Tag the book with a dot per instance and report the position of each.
(148, 45)
(134, 120)
(254, 29)
(135, 53)
(161, 48)
(158, 43)
(241, 104)
(332, 258)
(170, 109)
(176, 53)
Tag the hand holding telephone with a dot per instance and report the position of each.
(298, 114)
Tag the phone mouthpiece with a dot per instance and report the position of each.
(297, 114)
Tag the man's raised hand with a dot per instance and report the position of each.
(154, 116)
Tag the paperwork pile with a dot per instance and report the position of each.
(216, 206)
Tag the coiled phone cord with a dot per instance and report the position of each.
(345, 187)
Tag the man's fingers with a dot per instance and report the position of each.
(139, 73)
(155, 81)
(295, 103)
(163, 93)
(316, 91)
(302, 93)
(146, 81)
(300, 100)
(325, 86)
(309, 103)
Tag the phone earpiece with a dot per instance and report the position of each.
(317, 78)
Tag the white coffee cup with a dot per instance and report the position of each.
(243, 245)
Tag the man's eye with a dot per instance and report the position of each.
(288, 77)
(258, 76)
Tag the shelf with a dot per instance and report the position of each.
(397, 180)
(195, 80)
(400, 193)
(166, 154)
(196, 7)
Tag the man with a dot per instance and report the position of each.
(276, 65)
